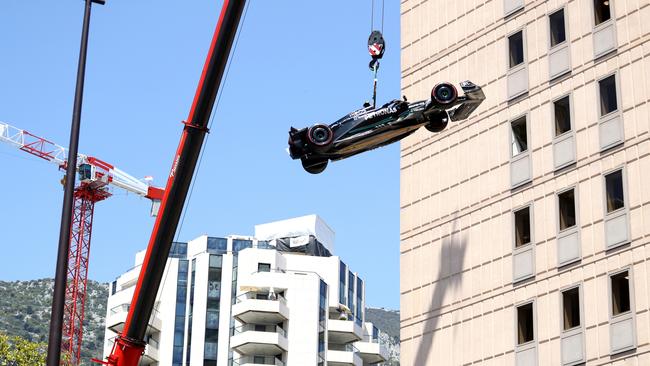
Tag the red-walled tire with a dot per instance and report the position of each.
(320, 135)
(444, 93)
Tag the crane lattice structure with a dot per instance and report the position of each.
(95, 178)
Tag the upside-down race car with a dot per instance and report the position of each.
(369, 128)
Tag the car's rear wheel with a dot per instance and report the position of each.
(314, 166)
(320, 135)
(444, 93)
(437, 121)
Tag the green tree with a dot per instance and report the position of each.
(16, 351)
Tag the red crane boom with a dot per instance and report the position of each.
(129, 345)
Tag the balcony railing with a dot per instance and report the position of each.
(260, 296)
(257, 328)
(255, 360)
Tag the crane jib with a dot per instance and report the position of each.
(130, 344)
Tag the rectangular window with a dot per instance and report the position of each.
(567, 209)
(241, 244)
(571, 308)
(607, 88)
(614, 191)
(562, 109)
(522, 227)
(519, 136)
(343, 270)
(263, 267)
(602, 11)
(620, 293)
(557, 28)
(525, 326)
(516, 49)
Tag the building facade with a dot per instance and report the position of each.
(279, 298)
(525, 229)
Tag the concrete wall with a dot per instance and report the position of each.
(457, 291)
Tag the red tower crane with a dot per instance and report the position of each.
(95, 177)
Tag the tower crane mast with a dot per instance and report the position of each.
(95, 178)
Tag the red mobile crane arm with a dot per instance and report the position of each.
(129, 345)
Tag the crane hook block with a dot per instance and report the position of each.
(376, 45)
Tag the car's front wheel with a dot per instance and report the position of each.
(314, 166)
(437, 121)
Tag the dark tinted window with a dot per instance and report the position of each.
(558, 33)
(522, 227)
(567, 209)
(614, 191)
(601, 11)
(263, 267)
(525, 330)
(620, 293)
(516, 48)
(608, 102)
(571, 308)
(562, 109)
(519, 136)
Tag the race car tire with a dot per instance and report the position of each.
(437, 121)
(314, 166)
(444, 93)
(320, 135)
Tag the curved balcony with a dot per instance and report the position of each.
(264, 340)
(346, 355)
(117, 317)
(344, 331)
(256, 360)
(260, 308)
(371, 350)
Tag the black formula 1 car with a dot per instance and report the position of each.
(369, 128)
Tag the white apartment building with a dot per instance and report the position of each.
(525, 229)
(278, 298)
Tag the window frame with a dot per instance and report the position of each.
(612, 16)
(524, 62)
(530, 247)
(533, 342)
(573, 230)
(575, 206)
(580, 308)
(631, 314)
(565, 136)
(617, 89)
(516, 248)
(526, 117)
(566, 28)
(626, 204)
(571, 117)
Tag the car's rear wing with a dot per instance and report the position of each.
(468, 103)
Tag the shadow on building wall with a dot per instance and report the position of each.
(448, 278)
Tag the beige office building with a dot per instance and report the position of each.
(525, 230)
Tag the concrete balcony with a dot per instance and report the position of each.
(256, 360)
(372, 351)
(348, 357)
(151, 351)
(117, 317)
(263, 340)
(344, 331)
(260, 308)
(150, 356)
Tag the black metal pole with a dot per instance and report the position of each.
(60, 279)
